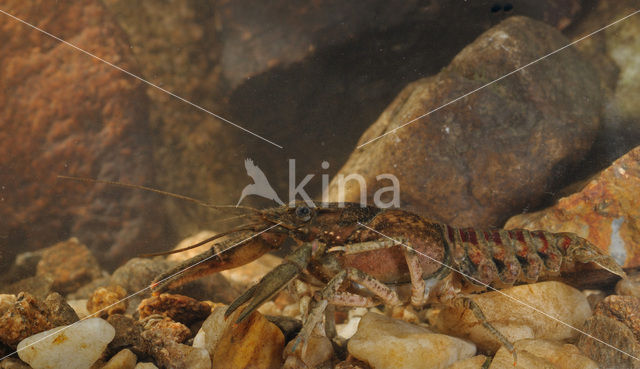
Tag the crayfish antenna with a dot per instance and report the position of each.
(161, 192)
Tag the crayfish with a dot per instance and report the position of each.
(361, 254)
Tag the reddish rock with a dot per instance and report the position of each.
(488, 155)
(70, 264)
(179, 308)
(625, 309)
(27, 317)
(107, 301)
(606, 211)
(63, 112)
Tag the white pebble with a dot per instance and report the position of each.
(76, 346)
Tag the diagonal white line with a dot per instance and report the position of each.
(498, 79)
(139, 78)
(502, 293)
(142, 290)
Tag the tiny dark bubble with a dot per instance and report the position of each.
(507, 7)
(496, 8)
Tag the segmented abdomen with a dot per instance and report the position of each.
(507, 256)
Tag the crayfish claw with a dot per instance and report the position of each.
(272, 282)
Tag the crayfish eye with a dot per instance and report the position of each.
(303, 213)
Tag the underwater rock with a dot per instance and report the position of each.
(515, 320)
(26, 317)
(615, 54)
(137, 274)
(145, 366)
(164, 337)
(614, 333)
(124, 359)
(352, 363)
(480, 159)
(234, 345)
(107, 301)
(534, 354)
(11, 363)
(158, 329)
(71, 265)
(211, 330)
(60, 312)
(69, 114)
(79, 307)
(6, 302)
(84, 292)
(474, 362)
(128, 335)
(629, 286)
(39, 287)
(178, 308)
(606, 211)
(388, 343)
(319, 353)
(76, 346)
(625, 309)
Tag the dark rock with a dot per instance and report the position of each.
(137, 274)
(39, 287)
(324, 68)
(23, 267)
(11, 363)
(182, 309)
(290, 327)
(27, 317)
(614, 333)
(84, 292)
(71, 265)
(63, 112)
(496, 151)
(128, 335)
(60, 313)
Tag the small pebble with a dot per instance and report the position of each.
(77, 346)
(124, 359)
(80, 307)
(179, 308)
(394, 344)
(107, 301)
